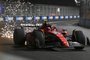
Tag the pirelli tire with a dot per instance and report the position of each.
(18, 37)
(78, 36)
(30, 40)
(39, 39)
(88, 41)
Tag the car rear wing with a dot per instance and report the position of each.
(31, 25)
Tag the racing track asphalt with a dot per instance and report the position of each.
(9, 52)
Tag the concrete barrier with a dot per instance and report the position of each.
(85, 23)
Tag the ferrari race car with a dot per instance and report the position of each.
(49, 37)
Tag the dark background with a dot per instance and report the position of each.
(50, 2)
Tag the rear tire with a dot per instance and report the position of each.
(18, 37)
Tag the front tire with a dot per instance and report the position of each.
(88, 41)
(78, 36)
(39, 39)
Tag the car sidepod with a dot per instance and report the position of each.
(60, 37)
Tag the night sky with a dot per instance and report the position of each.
(54, 2)
(50, 2)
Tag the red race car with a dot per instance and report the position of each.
(49, 37)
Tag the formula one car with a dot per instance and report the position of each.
(49, 37)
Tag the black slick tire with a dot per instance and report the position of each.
(39, 39)
(18, 37)
(78, 36)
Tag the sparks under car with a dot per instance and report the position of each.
(49, 37)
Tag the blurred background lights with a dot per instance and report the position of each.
(66, 17)
(78, 16)
(1, 19)
(44, 17)
(50, 17)
(75, 16)
(19, 18)
(37, 18)
(61, 17)
(71, 17)
(58, 9)
(56, 17)
(29, 18)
